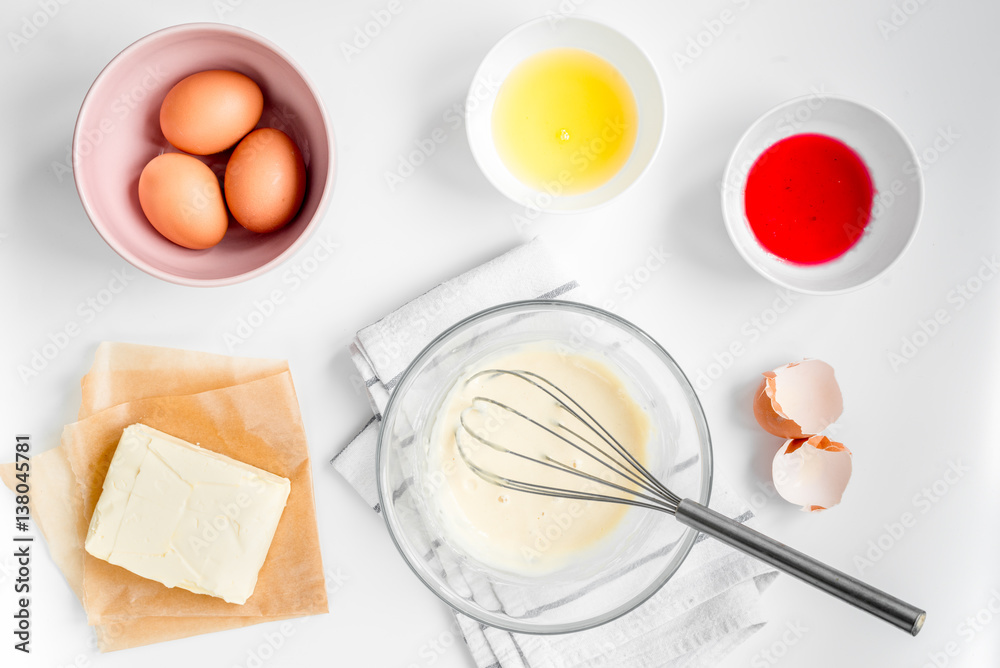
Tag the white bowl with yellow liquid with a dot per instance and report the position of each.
(564, 114)
(597, 582)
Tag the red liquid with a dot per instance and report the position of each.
(808, 198)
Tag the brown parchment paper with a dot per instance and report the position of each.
(127, 371)
(249, 422)
(122, 372)
(141, 631)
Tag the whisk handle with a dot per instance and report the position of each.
(843, 586)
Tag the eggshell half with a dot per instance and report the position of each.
(798, 399)
(812, 472)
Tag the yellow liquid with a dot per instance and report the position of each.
(565, 121)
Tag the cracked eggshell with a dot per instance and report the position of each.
(812, 472)
(798, 399)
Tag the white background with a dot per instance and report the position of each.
(905, 425)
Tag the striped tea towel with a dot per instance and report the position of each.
(707, 608)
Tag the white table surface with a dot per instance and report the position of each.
(906, 426)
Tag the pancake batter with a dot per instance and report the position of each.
(514, 531)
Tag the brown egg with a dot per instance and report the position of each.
(265, 180)
(181, 197)
(210, 111)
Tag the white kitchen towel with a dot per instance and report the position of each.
(708, 607)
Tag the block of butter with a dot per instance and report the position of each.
(184, 516)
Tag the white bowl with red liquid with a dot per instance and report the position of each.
(892, 166)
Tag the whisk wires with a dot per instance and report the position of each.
(638, 487)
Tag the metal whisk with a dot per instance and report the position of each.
(636, 486)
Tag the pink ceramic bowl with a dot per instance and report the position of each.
(118, 132)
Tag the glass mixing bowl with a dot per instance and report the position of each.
(604, 582)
